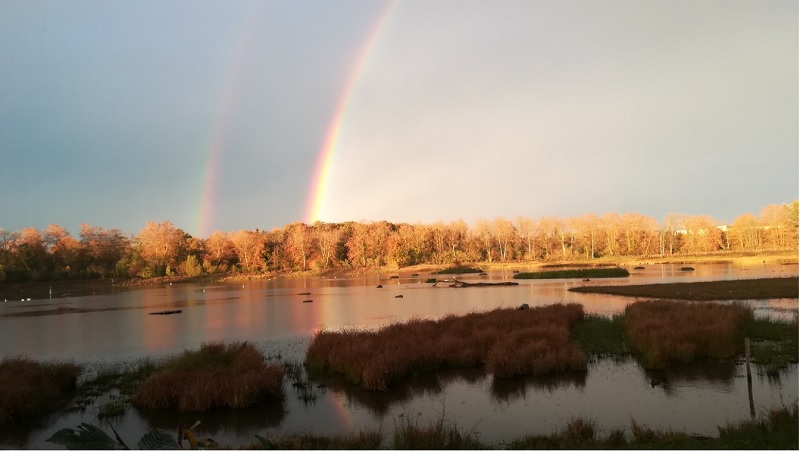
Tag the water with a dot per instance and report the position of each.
(112, 327)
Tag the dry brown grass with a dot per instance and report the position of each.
(30, 389)
(677, 332)
(508, 342)
(216, 376)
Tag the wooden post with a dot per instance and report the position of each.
(749, 377)
(747, 355)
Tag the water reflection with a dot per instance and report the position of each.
(507, 390)
(380, 403)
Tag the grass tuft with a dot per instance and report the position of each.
(668, 332)
(215, 376)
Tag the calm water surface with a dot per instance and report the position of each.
(114, 327)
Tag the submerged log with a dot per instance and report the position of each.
(166, 312)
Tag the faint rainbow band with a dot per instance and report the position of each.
(317, 199)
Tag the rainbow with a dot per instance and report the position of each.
(317, 200)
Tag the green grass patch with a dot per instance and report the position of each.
(601, 336)
(458, 270)
(772, 343)
(574, 273)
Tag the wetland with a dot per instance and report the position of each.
(111, 336)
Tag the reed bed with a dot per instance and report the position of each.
(215, 376)
(666, 332)
(31, 389)
(509, 342)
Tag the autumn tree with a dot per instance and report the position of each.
(161, 246)
(527, 230)
(672, 232)
(326, 237)
(505, 234)
(31, 253)
(219, 253)
(299, 243)
(779, 222)
(640, 234)
(702, 235)
(249, 248)
(745, 232)
(587, 230)
(485, 232)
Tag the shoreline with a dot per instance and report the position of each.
(66, 288)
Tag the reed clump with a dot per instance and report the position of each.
(31, 389)
(215, 376)
(666, 332)
(509, 342)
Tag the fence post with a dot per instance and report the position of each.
(749, 377)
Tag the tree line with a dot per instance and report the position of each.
(161, 249)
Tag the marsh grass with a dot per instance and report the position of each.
(354, 440)
(774, 429)
(508, 342)
(31, 389)
(439, 434)
(574, 273)
(770, 288)
(669, 332)
(215, 376)
(772, 343)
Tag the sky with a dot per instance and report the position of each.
(255, 114)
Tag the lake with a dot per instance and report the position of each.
(110, 327)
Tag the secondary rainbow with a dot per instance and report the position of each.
(222, 119)
(317, 201)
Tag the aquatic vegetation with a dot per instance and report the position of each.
(31, 389)
(666, 332)
(215, 376)
(509, 342)
(772, 343)
(574, 273)
(779, 287)
(600, 336)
